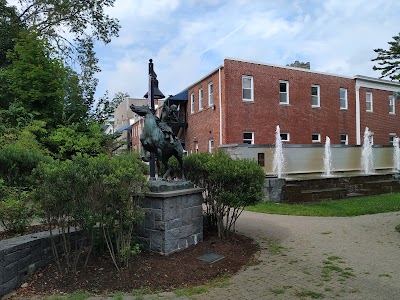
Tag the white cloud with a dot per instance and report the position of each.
(188, 39)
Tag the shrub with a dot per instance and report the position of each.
(17, 162)
(16, 212)
(89, 191)
(230, 185)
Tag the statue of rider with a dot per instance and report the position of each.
(168, 114)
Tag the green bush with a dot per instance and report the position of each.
(17, 162)
(89, 191)
(16, 211)
(230, 185)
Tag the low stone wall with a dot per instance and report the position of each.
(21, 256)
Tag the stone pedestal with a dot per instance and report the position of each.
(173, 218)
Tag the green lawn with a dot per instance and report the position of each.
(334, 208)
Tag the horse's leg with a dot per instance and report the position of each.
(144, 155)
(167, 168)
(159, 156)
(180, 160)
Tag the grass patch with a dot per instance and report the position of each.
(191, 291)
(220, 282)
(309, 293)
(329, 267)
(73, 296)
(275, 248)
(385, 275)
(334, 208)
(278, 291)
(397, 228)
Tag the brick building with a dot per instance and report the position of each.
(243, 102)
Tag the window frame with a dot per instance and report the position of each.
(201, 96)
(370, 102)
(318, 135)
(211, 146)
(210, 94)
(346, 140)
(287, 135)
(261, 159)
(251, 88)
(318, 96)
(246, 139)
(344, 99)
(392, 136)
(287, 92)
(392, 109)
(192, 103)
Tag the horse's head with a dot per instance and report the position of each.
(141, 110)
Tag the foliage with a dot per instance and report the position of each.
(67, 141)
(37, 78)
(230, 185)
(10, 26)
(86, 191)
(105, 108)
(19, 155)
(343, 208)
(389, 60)
(16, 212)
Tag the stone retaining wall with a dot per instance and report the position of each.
(22, 256)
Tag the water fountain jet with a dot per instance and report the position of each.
(327, 158)
(279, 159)
(396, 155)
(367, 163)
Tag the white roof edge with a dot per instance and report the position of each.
(377, 80)
(287, 67)
(202, 78)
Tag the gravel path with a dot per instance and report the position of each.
(314, 258)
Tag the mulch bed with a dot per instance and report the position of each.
(147, 270)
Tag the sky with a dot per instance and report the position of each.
(187, 39)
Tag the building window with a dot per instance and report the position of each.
(343, 98)
(248, 137)
(316, 138)
(200, 99)
(285, 137)
(368, 101)
(391, 104)
(344, 139)
(315, 96)
(247, 88)
(283, 92)
(191, 103)
(196, 147)
(261, 159)
(210, 94)
(392, 136)
(211, 146)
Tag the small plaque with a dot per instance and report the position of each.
(211, 257)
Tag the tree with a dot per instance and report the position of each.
(389, 60)
(105, 108)
(36, 78)
(10, 26)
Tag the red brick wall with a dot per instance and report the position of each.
(203, 125)
(298, 118)
(379, 121)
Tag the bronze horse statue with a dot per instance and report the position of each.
(153, 139)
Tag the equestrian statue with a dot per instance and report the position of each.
(158, 137)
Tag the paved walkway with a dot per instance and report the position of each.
(314, 258)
